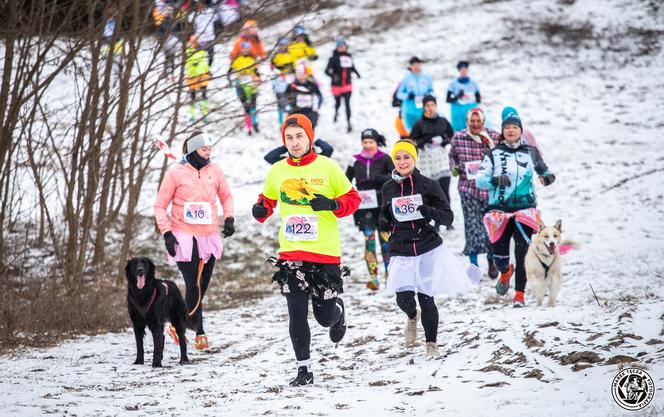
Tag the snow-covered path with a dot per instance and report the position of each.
(592, 105)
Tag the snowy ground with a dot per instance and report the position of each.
(592, 105)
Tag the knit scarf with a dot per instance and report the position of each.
(196, 160)
(368, 155)
(482, 138)
(398, 178)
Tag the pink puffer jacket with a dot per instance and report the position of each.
(183, 183)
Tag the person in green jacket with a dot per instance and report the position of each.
(198, 77)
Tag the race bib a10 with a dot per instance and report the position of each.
(472, 168)
(369, 199)
(301, 227)
(304, 101)
(405, 208)
(345, 61)
(197, 212)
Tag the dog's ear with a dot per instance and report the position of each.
(128, 269)
(559, 225)
(541, 226)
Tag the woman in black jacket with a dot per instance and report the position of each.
(340, 68)
(419, 262)
(370, 169)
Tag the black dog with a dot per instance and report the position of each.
(152, 302)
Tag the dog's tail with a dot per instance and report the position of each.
(568, 245)
(191, 322)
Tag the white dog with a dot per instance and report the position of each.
(543, 262)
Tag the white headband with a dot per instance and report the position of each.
(198, 141)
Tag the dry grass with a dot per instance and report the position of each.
(42, 313)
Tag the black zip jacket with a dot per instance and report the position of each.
(340, 76)
(416, 237)
(427, 128)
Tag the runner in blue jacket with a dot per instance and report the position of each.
(412, 90)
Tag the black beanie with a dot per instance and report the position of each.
(428, 98)
(373, 134)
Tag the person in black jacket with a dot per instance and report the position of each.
(340, 68)
(419, 262)
(433, 135)
(281, 152)
(370, 169)
(302, 95)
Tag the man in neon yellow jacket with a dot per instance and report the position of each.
(313, 191)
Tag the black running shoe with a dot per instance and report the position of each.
(304, 377)
(338, 330)
(256, 128)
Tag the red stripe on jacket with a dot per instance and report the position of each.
(348, 203)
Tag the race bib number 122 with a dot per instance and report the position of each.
(301, 227)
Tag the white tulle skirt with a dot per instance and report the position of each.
(433, 273)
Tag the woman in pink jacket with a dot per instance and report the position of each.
(192, 238)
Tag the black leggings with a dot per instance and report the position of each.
(501, 252)
(445, 185)
(406, 302)
(189, 272)
(325, 312)
(337, 104)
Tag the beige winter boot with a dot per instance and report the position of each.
(410, 331)
(432, 350)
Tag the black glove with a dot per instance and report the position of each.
(548, 179)
(383, 224)
(321, 203)
(501, 181)
(259, 211)
(170, 241)
(229, 227)
(459, 94)
(411, 96)
(426, 211)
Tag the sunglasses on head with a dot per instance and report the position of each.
(292, 122)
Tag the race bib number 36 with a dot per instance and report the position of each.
(301, 227)
(405, 208)
(197, 213)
